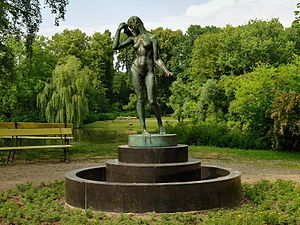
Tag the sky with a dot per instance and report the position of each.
(99, 15)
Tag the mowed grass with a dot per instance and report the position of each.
(242, 154)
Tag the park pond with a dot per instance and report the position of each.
(100, 136)
(113, 131)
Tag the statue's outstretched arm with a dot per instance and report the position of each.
(116, 42)
(157, 60)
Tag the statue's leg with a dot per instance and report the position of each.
(151, 94)
(138, 88)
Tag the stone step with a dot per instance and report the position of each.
(171, 154)
(153, 173)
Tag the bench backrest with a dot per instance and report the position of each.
(30, 125)
(27, 128)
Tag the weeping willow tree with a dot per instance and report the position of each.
(64, 99)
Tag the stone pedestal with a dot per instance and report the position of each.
(152, 140)
(153, 159)
(153, 173)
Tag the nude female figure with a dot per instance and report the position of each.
(146, 47)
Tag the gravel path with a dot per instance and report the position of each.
(20, 173)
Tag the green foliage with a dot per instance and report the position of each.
(121, 90)
(18, 92)
(214, 133)
(212, 103)
(99, 58)
(23, 17)
(296, 22)
(70, 42)
(64, 99)
(168, 40)
(264, 203)
(237, 50)
(285, 111)
(204, 57)
(285, 194)
(185, 93)
(182, 99)
(96, 54)
(99, 117)
(252, 94)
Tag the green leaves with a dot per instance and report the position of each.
(285, 111)
(253, 94)
(238, 50)
(64, 99)
(22, 17)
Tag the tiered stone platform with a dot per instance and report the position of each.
(153, 173)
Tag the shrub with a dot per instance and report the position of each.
(285, 112)
(99, 116)
(216, 134)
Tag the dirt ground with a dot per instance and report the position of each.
(22, 172)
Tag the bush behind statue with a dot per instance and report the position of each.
(217, 134)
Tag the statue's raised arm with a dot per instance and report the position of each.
(116, 42)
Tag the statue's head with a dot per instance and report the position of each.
(134, 22)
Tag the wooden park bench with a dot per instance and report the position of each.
(15, 132)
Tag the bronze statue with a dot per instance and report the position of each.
(146, 47)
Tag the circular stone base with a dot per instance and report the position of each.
(87, 188)
(152, 140)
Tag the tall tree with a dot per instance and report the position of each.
(70, 42)
(168, 40)
(296, 23)
(99, 57)
(22, 18)
(18, 92)
(64, 98)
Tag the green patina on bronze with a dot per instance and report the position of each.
(153, 140)
(146, 47)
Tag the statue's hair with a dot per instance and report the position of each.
(134, 19)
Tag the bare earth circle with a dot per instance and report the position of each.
(22, 172)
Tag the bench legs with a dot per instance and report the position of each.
(11, 156)
(66, 154)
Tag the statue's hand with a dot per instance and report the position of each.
(122, 25)
(169, 74)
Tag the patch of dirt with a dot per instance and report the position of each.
(253, 171)
(23, 172)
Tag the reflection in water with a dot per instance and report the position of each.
(99, 136)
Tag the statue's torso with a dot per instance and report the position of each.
(143, 47)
